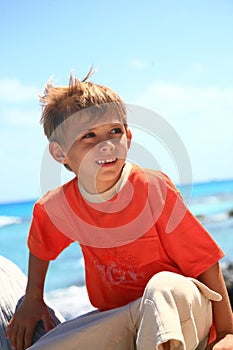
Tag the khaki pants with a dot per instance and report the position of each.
(173, 308)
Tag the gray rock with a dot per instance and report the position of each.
(228, 277)
(12, 287)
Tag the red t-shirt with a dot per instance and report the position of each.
(143, 229)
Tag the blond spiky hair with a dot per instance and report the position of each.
(60, 102)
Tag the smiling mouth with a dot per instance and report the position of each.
(106, 161)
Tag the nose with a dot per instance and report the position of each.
(107, 146)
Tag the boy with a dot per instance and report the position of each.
(152, 270)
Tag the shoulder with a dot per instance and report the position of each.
(155, 178)
(58, 193)
(52, 211)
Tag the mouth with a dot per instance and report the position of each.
(106, 161)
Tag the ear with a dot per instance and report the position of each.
(129, 137)
(57, 152)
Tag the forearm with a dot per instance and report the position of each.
(37, 270)
(222, 312)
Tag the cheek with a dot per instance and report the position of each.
(86, 159)
(123, 145)
(73, 159)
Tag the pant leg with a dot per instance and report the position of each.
(174, 308)
(107, 330)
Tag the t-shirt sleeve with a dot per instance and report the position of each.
(183, 237)
(45, 241)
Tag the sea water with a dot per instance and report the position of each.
(211, 202)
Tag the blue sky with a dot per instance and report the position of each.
(173, 57)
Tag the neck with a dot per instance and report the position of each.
(98, 187)
(108, 190)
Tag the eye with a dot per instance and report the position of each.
(117, 131)
(89, 135)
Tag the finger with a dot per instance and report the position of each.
(28, 337)
(20, 339)
(11, 334)
(9, 328)
(47, 322)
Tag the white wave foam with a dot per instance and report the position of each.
(211, 208)
(70, 302)
(9, 220)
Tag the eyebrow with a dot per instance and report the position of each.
(111, 125)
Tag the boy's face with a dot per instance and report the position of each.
(98, 153)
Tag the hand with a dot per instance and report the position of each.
(225, 343)
(22, 325)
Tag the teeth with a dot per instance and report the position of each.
(106, 161)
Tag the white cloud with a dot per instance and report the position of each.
(19, 117)
(203, 117)
(20, 158)
(19, 103)
(176, 101)
(12, 90)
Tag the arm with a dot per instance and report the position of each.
(32, 309)
(222, 312)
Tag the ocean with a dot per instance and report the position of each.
(211, 202)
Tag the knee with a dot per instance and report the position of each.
(169, 282)
(164, 280)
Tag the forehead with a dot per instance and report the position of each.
(83, 120)
(88, 119)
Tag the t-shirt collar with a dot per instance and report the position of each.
(111, 192)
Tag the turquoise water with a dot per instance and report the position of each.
(65, 271)
(211, 201)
